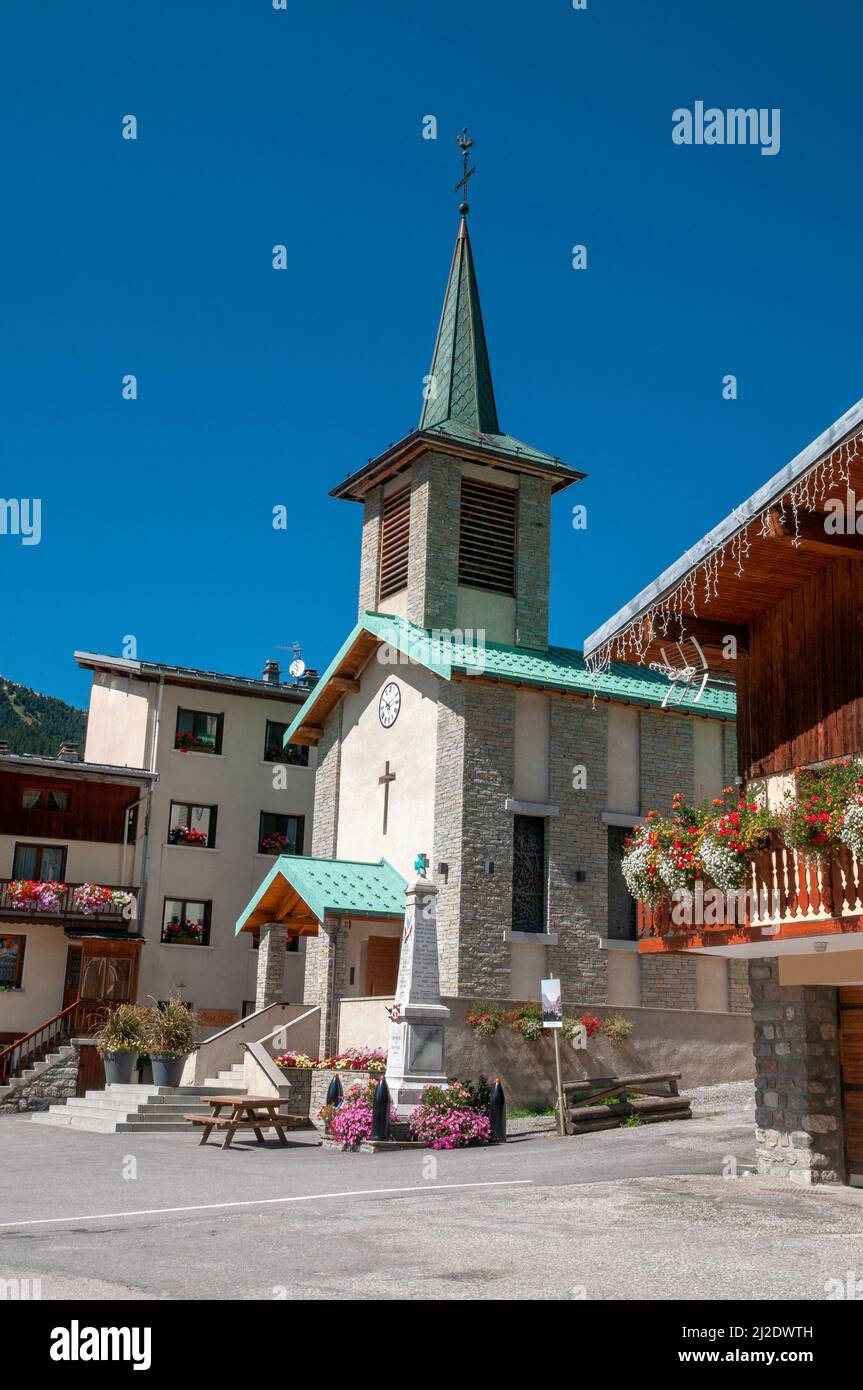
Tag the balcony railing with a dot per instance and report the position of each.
(66, 909)
(782, 890)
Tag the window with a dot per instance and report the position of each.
(192, 825)
(198, 732)
(528, 874)
(12, 961)
(44, 799)
(395, 536)
(486, 547)
(296, 754)
(281, 834)
(186, 923)
(622, 907)
(41, 863)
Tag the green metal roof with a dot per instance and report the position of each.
(460, 371)
(556, 668)
(337, 886)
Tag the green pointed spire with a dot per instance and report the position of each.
(460, 386)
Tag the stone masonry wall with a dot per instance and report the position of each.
(370, 552)
(532, 550)
(798, 1100)
(730, 752)
(486, 900)
(449, 817)
(578, 840)
(739, 997)
(326, 818)
(326, 978)
(432, 598)
(50, 1086)
(668, 982)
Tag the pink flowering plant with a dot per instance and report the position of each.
(356, 1059)
(453, 1117)
(42, 897)
(351, 1124)
(90, 898)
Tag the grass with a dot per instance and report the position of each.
(530, 1114)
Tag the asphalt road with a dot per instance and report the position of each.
(642, 1213)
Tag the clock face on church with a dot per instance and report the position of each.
(390, 704)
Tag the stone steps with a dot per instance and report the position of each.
(137, 1109)
(230, 1080)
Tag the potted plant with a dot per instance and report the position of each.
(119, 1040)
(169, 1037)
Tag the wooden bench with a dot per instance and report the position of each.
(256, 1113)
(654, 1097)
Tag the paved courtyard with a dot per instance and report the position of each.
(643, 1212)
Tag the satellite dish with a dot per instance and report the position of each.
(297, 668)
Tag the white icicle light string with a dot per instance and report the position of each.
(817, 483)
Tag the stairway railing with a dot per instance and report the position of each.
(76, 1020)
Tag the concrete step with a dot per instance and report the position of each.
(121, 1104)
(80, 1106)
(97, 1124)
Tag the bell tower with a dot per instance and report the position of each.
(456, 523)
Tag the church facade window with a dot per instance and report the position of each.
(528, 874)
(487, 531)
(395, 536)
(622, 907)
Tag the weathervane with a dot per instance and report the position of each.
(464, 143)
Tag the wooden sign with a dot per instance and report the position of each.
(217, 1018)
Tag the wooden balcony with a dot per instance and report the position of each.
(111, 914)
(783, 898)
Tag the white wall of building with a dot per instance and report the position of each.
(410, 747)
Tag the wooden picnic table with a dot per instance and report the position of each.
(247, 1112)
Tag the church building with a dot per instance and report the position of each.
(447, 726)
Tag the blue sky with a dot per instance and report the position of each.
(259, 388)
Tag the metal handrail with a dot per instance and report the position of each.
(75, 1019)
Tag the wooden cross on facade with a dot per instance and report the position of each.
(384, 781)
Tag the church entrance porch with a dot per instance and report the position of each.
(352, 912)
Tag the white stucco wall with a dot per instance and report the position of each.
(118, 723)
(410, 746)
(624, 772)
(530, 770)
(707, 758)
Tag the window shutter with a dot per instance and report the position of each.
(395, 534)
(486, 552)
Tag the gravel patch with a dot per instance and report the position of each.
(731, 1095)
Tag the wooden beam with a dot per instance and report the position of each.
(812, 535)
(308, 733)
(346, 684)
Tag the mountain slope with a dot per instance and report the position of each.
(33, 723)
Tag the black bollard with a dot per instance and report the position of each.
(381, 1112)
(334, 1092)
(497, 1112)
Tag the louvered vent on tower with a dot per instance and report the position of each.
(395, 535)
(486, 552)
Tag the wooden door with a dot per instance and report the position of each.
(72, 982)
(91, 1070)
(382, 965)
(851, 1049)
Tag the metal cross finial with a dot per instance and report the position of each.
(421, 863)
(464, 142)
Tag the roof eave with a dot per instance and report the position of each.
(766, 495)
(397, 456)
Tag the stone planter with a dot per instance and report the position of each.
(119, 1067)
(167, 1067)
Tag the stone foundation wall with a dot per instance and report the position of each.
(798, 1100)
(51, 1086)
(319, 1084)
